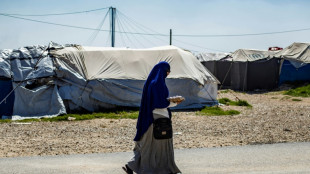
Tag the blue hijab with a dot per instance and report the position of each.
(155, 94)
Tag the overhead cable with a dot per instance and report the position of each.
(158, 34)
(95, 33)
(56, 14)
(134, 27)
(121, 25)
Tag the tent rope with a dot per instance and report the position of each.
(226, 75)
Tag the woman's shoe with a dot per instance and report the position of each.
(127, 169)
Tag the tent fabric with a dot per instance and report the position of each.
(289, 73)
(133, 63)
(244, 55)
(107, 78)
(43, 101)
(30, 68)
(5, 67)
(296, 64)
(202, 57)
(258, 75)
(6, 107)
(250, 75)
(30, 63)
(58, 79)
(221, 70)
(296, 52)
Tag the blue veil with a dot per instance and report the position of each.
(155, 94)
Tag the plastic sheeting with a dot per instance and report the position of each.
(133, 64)
(57, 79)
(30, 63)
(296, 52)
(5, 67)
(6, 107)
(260, 74)
(43, 101)
(244, 55)
(289, 73)
(32, 69)
(211, 56)
(99, 78)
(100, 94)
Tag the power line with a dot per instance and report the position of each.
(140, 26)
(158, 34)
(121, 25)
(146, 29)
(119, 28)
(248, 34)
(134, 27)
(199, 46)
(55, 14)
(95, 33)
(51, 23)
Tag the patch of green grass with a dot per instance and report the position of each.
(225, 91)
(296, 99)
(241, 103)
(107, 115)
(215, 111)
(227, 101)
(303, 91)
(5, 121)
(224, 101)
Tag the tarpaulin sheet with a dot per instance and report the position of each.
(43, 101)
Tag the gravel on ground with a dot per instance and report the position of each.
(274, 118)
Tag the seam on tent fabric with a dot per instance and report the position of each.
(80, 97)
(24, 58)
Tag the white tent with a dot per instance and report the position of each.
(57, 79)
(244, 55)
(202, 57)
(109, 77)
(296, 52)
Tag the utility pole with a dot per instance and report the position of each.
(113, 13)
(170, 36)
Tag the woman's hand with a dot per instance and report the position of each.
(180, 101)
(176, 99)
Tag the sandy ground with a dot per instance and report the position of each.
(274, 118)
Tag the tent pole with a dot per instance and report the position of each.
(113, 12)
(170, 36)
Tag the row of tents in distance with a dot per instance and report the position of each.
(248, 70)
(46, 81)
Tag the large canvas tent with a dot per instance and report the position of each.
(296, 63)
(246, 69)
(58, 79)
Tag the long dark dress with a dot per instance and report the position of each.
(152, 156)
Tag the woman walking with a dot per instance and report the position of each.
(151, 155)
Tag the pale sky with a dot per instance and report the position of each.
(210, 25)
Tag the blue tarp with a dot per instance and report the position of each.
(290, 73)
(6, 108)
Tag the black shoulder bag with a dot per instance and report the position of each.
(162, 128)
